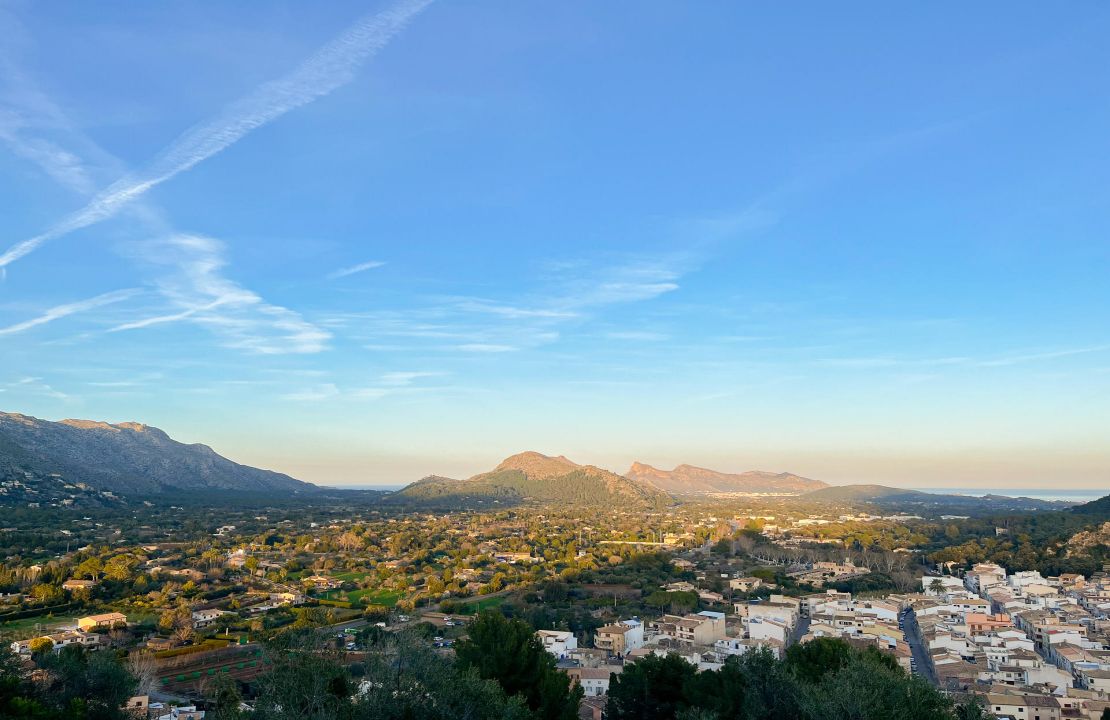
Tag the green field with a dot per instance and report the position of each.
(388, 598)
(25, 628)
(352, 576)
(476, 606)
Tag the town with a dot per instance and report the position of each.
(601, 590)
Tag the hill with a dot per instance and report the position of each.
(531, 476)
(689, 479)
(126, 458)
(906, 500)
(1100, 507)
(863, 493)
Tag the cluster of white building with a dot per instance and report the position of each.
(707, 639)
(862, 622)
(1034, 647)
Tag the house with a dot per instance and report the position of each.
(768, 628)
(710, 597)
(594, 681)
(704, 628)
(774, 609)
(981, 623)
(137, 706)
(1093, 679)
(557, 642)
(513, 558)
(1025, 707)
(823, 571)
(104, 621)
(184, 712)
(741, 646)
(942, 585)
(186, 574)
(745, 584)
(204, 618)
(322, 582)
(620, 638)
(72, 585)
(592, 708)
(60, 640)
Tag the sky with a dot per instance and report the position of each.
(365, 242)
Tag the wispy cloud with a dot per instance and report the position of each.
(331, 67)
(484, 348)
(201, 294)
(344, 272)
(513, 312)
(327, 391)
(34, 386)
(586, 286)
(883, 361)
(643, 335)
(60, 311)
(196, 287)
(397, 379)
(389, 384)
(1019, 358)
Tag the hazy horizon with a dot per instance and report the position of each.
(361, 243)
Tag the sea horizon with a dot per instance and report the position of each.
(1078, 495)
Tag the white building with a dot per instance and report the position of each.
(557, 642)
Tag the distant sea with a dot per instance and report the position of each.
(1069, 495)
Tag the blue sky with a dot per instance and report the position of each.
(363, 242)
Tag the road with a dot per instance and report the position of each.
(799, 631)
(921, 656)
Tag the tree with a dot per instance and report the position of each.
(350, 541)
(16, 699)
(652, 688)
(302, 685)
(810, 661)
(47, 594)
(682, 601)
(972, 709)
(120, 567)
(41, 645)
(864, 688)
(405, 679)
(90, 568)
(77, 684)
(144, 668)
(936, 586)
(509, 652)
(722, 547)
(225, 694)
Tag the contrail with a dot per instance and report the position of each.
(61, 311)
(331, 67)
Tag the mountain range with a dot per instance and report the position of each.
(689, 480)
(55, 458)
(543, 478)
(127, 458)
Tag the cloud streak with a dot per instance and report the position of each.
(361, 267)
(198, 289)
(331, 67)
(60, 311)
(38, 130)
